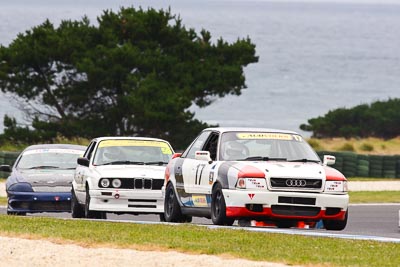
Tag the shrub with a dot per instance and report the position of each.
(314, 144)
(366, 147)
(346, 147)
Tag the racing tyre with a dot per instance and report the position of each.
(15, 213)
(218, 207)
(172, 210)
(244, 223)
(285, 223)
(91, 214)
(162, 217)
(336, 225)
(76, 209)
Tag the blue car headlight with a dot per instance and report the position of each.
(20, 187)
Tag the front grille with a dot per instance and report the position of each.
(297, 200)
(138, 183)
(296, 183)
(295, 210)
(142, 203)
(42, 205)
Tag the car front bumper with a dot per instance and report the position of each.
(127, 201)
(34, 202)
(285, 205)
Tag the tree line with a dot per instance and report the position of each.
(378, 119)
(136, 72)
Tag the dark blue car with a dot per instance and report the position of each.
(41, 179)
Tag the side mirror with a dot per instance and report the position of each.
(176, 155)
(203, 155)
(329, 160)
(83, 161)
(5, 168)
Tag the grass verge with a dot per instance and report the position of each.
(194, 239)
(374, 197)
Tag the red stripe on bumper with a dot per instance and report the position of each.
(267, 212)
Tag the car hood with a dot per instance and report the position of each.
(129, 171)
(282, 169)
(43, 179)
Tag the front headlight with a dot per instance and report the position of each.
(251, 183)
(116, 183)
(20, 187)
(336, 186)
(105, 182)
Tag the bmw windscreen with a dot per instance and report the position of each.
(114, 152)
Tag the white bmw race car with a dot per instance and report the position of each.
(120, 175)
(254, 174)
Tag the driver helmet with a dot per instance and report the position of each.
(111, 153)
(234, 150)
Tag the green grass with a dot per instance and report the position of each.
(200, 240)
(374, 197)
(371, 179)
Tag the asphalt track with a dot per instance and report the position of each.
(378, 222)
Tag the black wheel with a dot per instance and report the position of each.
(336, 225)
(162, 217)
(91, 214)
(244, 223)
(285, 223)
(218, 207)
(14, 213)
(172, 210)
(77, 211)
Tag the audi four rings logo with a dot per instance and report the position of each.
(296, 183)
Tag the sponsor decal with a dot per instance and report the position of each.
(334, 186)
(199, 201)
(256, 183)
(165, 148)
(251, 196)
(277, 136)
(298, 138)
(61, 151)
(211, 178)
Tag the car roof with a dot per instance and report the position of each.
(128, 138)
(55, 146)
(248, 129)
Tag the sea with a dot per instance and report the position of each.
(314, 55)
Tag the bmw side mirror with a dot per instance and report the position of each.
(329, 160)
(83, 161)
(5, 168)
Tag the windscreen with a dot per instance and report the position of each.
(265, 146)
(49, 159)
(132, 152)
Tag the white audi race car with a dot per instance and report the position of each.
(254, 174)
(120, 175)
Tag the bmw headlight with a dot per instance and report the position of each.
(116, 183)
(20, 187)
(104, 182)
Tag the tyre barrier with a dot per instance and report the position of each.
(357, 165)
